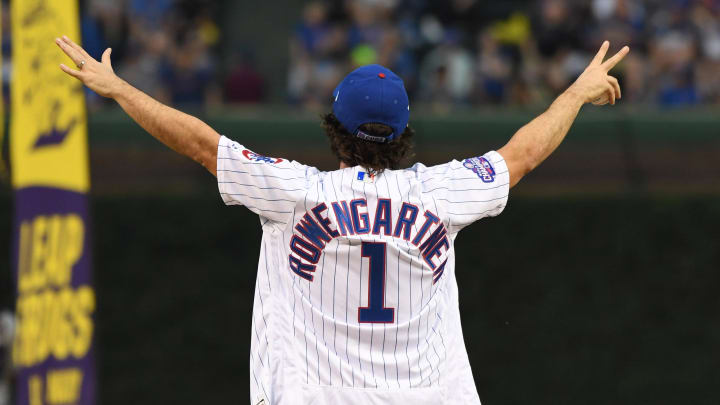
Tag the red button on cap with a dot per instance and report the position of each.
(381, 75)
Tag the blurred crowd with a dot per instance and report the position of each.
(450, 53)
(458, 52)
(161, 46)
(164, 47)
(167, 48)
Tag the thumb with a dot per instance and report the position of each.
(106, 58)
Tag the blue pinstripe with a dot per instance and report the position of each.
(377, 194)
(407, 341)
(259, 198)
(359, 305)
(260, 188)
(260, 175)
(312, 313)
(465, 189)
(397, 308)
(347, 295)
(307, 365)
(473, 213)
(471, 201)
(337, 246)
(252, 208)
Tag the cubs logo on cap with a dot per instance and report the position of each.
(372, 94)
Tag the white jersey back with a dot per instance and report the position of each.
(356, 299)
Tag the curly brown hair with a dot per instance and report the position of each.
(373, 156)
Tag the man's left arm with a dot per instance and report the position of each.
(534, 142)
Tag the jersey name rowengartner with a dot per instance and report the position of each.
(314, 232)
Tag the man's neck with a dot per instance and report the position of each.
(343, 165)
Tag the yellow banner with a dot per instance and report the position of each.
(48, 133)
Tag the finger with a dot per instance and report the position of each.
(70, 52)
(601, 53)
(79, 49)
(72, 72)
(616, 86)
(106, 58)
(610, 63)
(611, 94)
(601, 100)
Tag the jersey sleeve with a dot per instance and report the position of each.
(469, 190)
(269, 187)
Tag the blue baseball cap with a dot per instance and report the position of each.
(372, 94)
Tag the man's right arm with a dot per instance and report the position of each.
(181, 132)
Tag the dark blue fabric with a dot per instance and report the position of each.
(376, 312)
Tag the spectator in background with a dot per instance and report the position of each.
(102, 25)
(624, 21)
(187, 74)
(92, 31)
(557, 27)
(143, 62)
(244, 84)
(316, 53)
(149, 14)
(162, 46)
(705, 16)
(447, 74)
(672, 55)
(374, 38)
(464, 17)
(497, 60)
(111, 20)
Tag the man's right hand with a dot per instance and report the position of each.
(98, 76)
(595, 85)
(183, 133)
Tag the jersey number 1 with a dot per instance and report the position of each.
(376, 312)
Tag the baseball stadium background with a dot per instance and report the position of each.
(597, 285)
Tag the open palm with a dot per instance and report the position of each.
(98, 76)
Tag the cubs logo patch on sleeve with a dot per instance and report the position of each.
(250, 155)
(482, 168)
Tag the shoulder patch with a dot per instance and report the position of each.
(252, 156)
(482, 168)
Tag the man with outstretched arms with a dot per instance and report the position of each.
(356, 300)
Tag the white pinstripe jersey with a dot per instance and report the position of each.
(356, 299)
